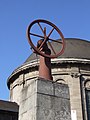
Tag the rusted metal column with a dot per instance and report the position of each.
(45, 63)
(45, 68)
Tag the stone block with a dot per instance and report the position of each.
(45, 100)
(52, 108)
(28, 115)
(62, 109)
(28, 91)
(44, 114)
(61, 90)
(28, 103)
(45, 87)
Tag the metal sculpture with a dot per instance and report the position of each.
(42, 36)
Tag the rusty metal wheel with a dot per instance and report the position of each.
(43, 29)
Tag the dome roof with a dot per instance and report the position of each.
(75, 48)
(76, 51)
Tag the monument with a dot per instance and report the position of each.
(40, 97)
(44, 99)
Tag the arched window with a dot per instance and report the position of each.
(87, 94)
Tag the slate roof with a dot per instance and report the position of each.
(74, 48)
(8, 106)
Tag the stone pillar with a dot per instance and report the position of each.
(45, 100)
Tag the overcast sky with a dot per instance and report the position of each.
(71, 16)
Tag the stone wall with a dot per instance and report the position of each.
(45, 100)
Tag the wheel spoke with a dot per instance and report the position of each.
(42, 43)
(44, 31)
(36, 35)
(50, 32)
(55, 40)
(41, 27)
(52, 47)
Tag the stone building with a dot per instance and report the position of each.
(71, 69)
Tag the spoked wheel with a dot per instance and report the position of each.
(50, 34)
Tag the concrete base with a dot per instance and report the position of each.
(45, 100)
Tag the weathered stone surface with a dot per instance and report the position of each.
(61, 90)
(28, 104)
(45, 100)
(28, 91)
(45, 86)
(52, 108)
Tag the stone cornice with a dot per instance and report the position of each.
(35, 63)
